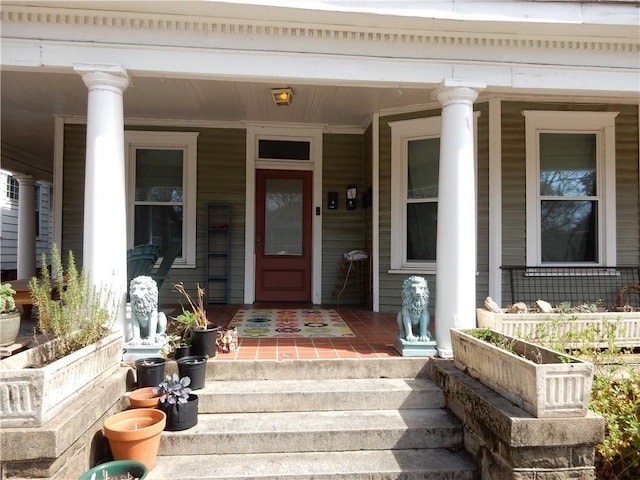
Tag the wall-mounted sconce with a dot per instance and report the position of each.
(282, 96)
(332, 200)
(352, 194)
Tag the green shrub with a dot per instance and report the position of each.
(615, 394)
(69, 307)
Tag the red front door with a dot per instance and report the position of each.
(283, 235)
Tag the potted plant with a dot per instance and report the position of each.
(543, 382)
(150, 371)
(144, 397)
(203, 334)
(117, 470)
(9, 316)
(177, 401)
(181, 347)
(135, 434)
(181, 341)
(79, 317)
(194, 367)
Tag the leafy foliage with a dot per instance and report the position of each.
(7, 302)
(198, 315)
(69, 307)
(174, 390)
(615, 394)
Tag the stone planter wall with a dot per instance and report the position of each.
(534, 378)
(29, 397)
(507, 443)
(523, 325)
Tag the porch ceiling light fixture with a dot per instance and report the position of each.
(282, 96)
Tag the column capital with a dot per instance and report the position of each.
(24, 180)
(106, 77)
(456, 91)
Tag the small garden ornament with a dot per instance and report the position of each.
(147, 336)
(414, 338)
(148, 324)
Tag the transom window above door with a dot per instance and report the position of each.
(162, 188)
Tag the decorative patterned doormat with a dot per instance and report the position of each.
(280, 323)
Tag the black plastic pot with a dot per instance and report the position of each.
(194, 367)
(150, 371)
(182, 351)
(203, 341)
(181, 416)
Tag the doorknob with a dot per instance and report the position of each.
(258, 237)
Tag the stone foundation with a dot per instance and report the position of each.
(510, 444)
(70, 443)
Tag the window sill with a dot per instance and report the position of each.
(413, 271)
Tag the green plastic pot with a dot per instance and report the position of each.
(117, 467)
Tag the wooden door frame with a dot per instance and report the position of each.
(283, 132)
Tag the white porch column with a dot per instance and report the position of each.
(456, 240)
(26, 226)
(105, 225)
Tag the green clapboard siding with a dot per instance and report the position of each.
(342, 229)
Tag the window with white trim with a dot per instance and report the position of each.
(13, 188)
(570, 195)
(415, 156)
(162, 191)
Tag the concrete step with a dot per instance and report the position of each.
(393, 367)
(435, 464)
(289, 432)
(323, 419)
(314, 395)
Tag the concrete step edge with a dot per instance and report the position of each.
(222, 368)
(316, 395)
(315, 431)
(436, 464)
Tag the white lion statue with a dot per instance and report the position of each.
(148, 324)
(413, 319)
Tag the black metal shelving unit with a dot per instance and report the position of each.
(218, 268)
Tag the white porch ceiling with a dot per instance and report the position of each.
(32, 100)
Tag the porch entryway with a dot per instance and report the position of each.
(374, 337)
(283, 235)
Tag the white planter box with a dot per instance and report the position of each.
(29, 397)
(534, 378)
(524, 325)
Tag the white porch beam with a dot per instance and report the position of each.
(105, 233)
(456, 237)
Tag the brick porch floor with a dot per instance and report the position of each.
(375, 333)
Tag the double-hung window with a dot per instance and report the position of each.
(415, 156)
(162, 191)
(570, 188)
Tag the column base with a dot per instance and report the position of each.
(137, 352)
(445, 353)
(415, 349)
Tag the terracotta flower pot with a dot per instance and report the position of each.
(135, 434)
(144, 398)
